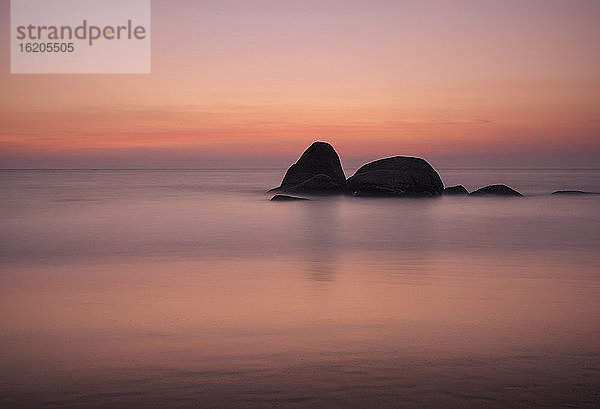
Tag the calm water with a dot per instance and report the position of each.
(189, 289)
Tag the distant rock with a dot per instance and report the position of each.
(573, 192)
(495, 190)
(318, 170)
(455, 190)
(286, 198)
(396, 176)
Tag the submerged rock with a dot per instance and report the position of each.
(496, 190)
(396, 176)
(286, 198)
(456, 190)
(318, 170)
(573, 192)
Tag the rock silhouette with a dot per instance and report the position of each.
(495, 190)
(286, 198)
(396, 176)
(456, 190)
(318, 170)
(573, 192)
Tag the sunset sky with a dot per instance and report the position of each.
(252, 83)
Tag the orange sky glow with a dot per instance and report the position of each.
(253, 83)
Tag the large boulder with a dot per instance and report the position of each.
(495, 190)
(318, 170)
(397, 176)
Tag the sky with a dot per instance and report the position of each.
(251, 83)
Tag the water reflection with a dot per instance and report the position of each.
(320, 238)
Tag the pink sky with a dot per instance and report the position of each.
(253, 83)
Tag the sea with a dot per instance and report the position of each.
(156, 288)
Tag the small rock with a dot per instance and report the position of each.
(286, 198)
(573, 192)
(495, 190)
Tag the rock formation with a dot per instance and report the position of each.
(396, 176)
(318, 170)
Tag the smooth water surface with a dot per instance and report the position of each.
(190, 289)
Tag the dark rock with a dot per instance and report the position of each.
(318, 183)
(318, 170)
(573, 192)
(496, 190)
(397, 176)
(286, 198)
(456, 190)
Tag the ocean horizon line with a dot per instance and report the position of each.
(264, 168)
